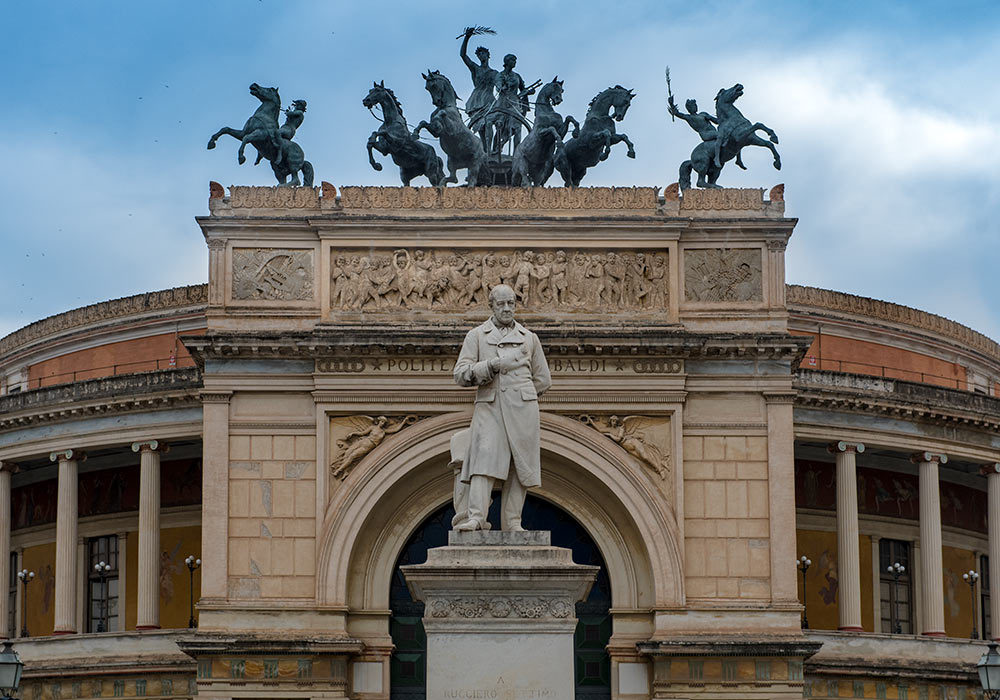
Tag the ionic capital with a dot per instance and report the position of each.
(9, 467)
(920, 457)
(991, 469)
(150, 446)
(67, 456)
(842, 446)
(779, 397)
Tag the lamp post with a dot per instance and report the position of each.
(970, 578)
(989, 673)
(25, 577)
(802, 564)
(10, 671)
(192, 565)
(102, 568)
(896, 569)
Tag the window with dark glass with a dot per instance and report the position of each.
(984, 597)
(102, 591)
(895, 595)
(12, 595)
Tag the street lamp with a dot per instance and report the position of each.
(25, 577)
(897, 570)
(970, 578)
(10, 671)
(989, 673)
(802, 564)
(102, 568)
(192, 565)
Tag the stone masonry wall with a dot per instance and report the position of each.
(727, 545)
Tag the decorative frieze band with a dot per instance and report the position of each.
(455, 280)
(527, 607)
(723, 199)
(504, 198)
(248, 197)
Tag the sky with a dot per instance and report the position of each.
(888, 115)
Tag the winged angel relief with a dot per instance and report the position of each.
(365, 434)
(635, 435)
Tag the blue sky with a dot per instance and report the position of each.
(888, 115)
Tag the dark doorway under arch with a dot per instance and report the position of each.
(592, 666)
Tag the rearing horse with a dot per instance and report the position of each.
(462, 146)
(534, 157)
(592, 143)
(261, 127)
(394, 139)
(735, 132)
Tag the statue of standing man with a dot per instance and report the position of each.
(505, 363)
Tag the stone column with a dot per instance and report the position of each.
(848, 555)
(66, 535)
(6, 469)
(931, 576)
(781, 496)
(993, 498)
(148, 590)
(215, 490)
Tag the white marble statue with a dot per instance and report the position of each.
(506, 364)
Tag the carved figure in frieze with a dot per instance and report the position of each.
(521, 275)
(541, 282)
(614, 280)
(636, 288)
(656, 276)
(576, 280)
(629, 433)
(720, 274)
(369, 434)
(492, 272)
(558, 274)
(594, 281)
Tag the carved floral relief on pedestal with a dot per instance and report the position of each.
(647, 438)
(272, 274)
(475, 607)
(572, 198)
(455, 280)
(353, 437)
(723, 274)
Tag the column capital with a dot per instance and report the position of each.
(212, 396)
(990, 469)
(938, 457)
(68, 455)
(779, 397)
(150, 446)
(842, 446)
(9, 467)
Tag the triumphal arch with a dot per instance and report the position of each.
(334, 322)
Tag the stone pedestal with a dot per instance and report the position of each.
(499, 616)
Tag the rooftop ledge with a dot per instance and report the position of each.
(248, 201)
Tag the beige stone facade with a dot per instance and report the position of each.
(688, 434)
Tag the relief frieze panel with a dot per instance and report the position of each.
(272, 274)
(353, 437)
(647, 438)
(553, 198)
(456, 280)
(478, 607)
(723, 275)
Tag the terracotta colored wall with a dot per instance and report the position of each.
(175, 545)
(829, 352)
(867, 600)
(821, 579)
(125, 357)
(41, 591)
(957, 601)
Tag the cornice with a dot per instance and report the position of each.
(841, 303)
(370, 340)
(101, 397)
(150, 302)
(895, 398)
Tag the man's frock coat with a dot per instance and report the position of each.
(505, 424)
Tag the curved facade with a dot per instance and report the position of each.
(792, 421)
